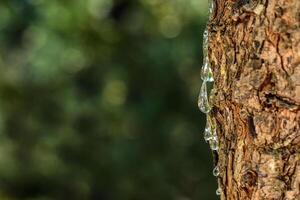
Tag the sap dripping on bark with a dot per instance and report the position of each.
(210, 133)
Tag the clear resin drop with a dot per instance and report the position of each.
(211, 7)
(205, 33)
(216, 171)
(206, 71)
(205, 54)
(214, 144)
(207, 132)
(205, 42)
(203, 103)
(207, 135)
(204, 100)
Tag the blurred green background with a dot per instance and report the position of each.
(98, 100)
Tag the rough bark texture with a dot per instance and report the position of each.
(255, 55)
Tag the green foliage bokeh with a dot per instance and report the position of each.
(98, 100)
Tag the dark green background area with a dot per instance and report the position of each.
(98, 100)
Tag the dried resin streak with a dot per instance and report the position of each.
(210, 132)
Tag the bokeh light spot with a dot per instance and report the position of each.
(114, 93)
(99, 8)
(170, 26)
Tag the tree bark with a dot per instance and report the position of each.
(254, 48)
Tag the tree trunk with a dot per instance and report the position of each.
(254, 48)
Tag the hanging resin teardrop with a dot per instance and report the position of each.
(216, 171)
(211, 7)
(205, 42)
(203, 103)
(206, 71)
(214, 144)
(218, 192)
(207, 132)
(207, 136)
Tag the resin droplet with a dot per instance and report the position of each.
(207, 135)
(203, 103)
(211, 7)
(216, 171)
(206, 72)
(207, 132)
(205, 33)
(214, 144)
(218, 192)
(205, 42)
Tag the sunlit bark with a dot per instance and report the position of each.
(255, 55)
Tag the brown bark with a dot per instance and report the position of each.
(255, 54)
